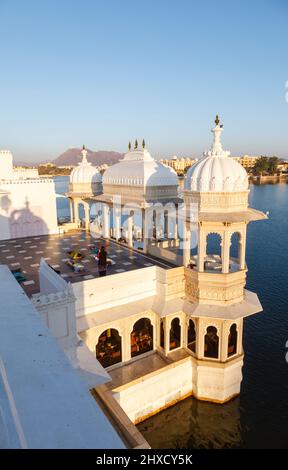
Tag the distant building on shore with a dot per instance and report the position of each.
(180, 165)
(22, 172)
(247, 161)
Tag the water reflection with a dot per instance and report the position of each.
(195, 424)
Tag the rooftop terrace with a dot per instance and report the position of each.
(25, 253)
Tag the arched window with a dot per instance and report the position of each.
(213, 260)
(175, 334)
(141, 337)
(191, 340)
(108, 348)
(235, 250)
(213, 246)
(211, 346)
(232, 340)
(162, 334)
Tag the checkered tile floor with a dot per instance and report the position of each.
(25, 253)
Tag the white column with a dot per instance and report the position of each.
(186, 244)
(223, 334)
(198, 341)
(176, 223)
(126, 344)
(225, 251)
(242, 249)
(200, 338)
(130, 229)
(71, 210)
(76, 212)
(144, 232)
(106, 224)
(201, 249)
(167, 325)
(166, 224)
(87, 215)
(117, 222)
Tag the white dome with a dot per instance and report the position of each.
(139, 168)
(216, 171)
(85, 172)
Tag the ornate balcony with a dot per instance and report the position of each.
(215, 288)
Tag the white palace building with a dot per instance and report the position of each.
(141, 340)
(27, 203)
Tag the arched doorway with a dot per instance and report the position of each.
(141, 337)
(211, 346)
(108, 348)
(175, 334)
(232, 340)
(191, 339)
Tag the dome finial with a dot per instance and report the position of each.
(143, 144)
(136, 145)
(216, 148)
(84, 154)
(129, 145)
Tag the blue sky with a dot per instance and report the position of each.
(103, 72)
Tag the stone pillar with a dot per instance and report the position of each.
(76, 212)
(201, 249)
(71, 210)
(223, 334)
(126, 344)
(117, 223)
(186, 244)
(130, 229)
(200, 338)
(106, 224)
(176, 223)
(144, 232)
(184, 332)
(87, 215)
(225, 251)
(167, 325)
(240, 336)
(166, 224)
(242, 249)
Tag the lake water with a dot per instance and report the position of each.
(61, 187)
(259, 416)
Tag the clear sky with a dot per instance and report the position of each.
(100, 73)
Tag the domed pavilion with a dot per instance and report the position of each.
(85, 182)
(137, 184)
(216, 199)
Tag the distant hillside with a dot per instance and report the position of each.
(72, 156)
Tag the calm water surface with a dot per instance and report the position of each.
(259, 416)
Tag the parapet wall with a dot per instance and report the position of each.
(117, 289)
(164, 387)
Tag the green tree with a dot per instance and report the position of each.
(273, 164)
(261, 166)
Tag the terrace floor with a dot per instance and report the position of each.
(136, 369)
(25, 253)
